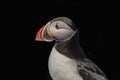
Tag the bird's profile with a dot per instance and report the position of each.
(67, 60)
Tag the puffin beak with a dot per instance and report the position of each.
(43, 35)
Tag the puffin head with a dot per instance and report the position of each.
(59, 29)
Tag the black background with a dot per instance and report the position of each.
(95, 21)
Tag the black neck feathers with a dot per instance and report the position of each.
(71, 48)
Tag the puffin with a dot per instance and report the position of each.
(67, 60)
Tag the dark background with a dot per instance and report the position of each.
(96, 24)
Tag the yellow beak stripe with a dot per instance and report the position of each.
(50, 34)
(48, 30)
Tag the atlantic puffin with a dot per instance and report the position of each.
(67, 60)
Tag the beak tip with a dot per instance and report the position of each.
(36, 40)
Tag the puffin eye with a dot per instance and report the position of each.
(57, 27)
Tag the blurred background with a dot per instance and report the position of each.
(95, 21)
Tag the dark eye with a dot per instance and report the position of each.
(57, 27)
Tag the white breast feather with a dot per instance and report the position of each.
(62, 68)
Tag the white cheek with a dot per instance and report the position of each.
(52, 30)
(63, 34)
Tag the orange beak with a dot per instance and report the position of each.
(43, 34)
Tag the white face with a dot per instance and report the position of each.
(61, 31)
